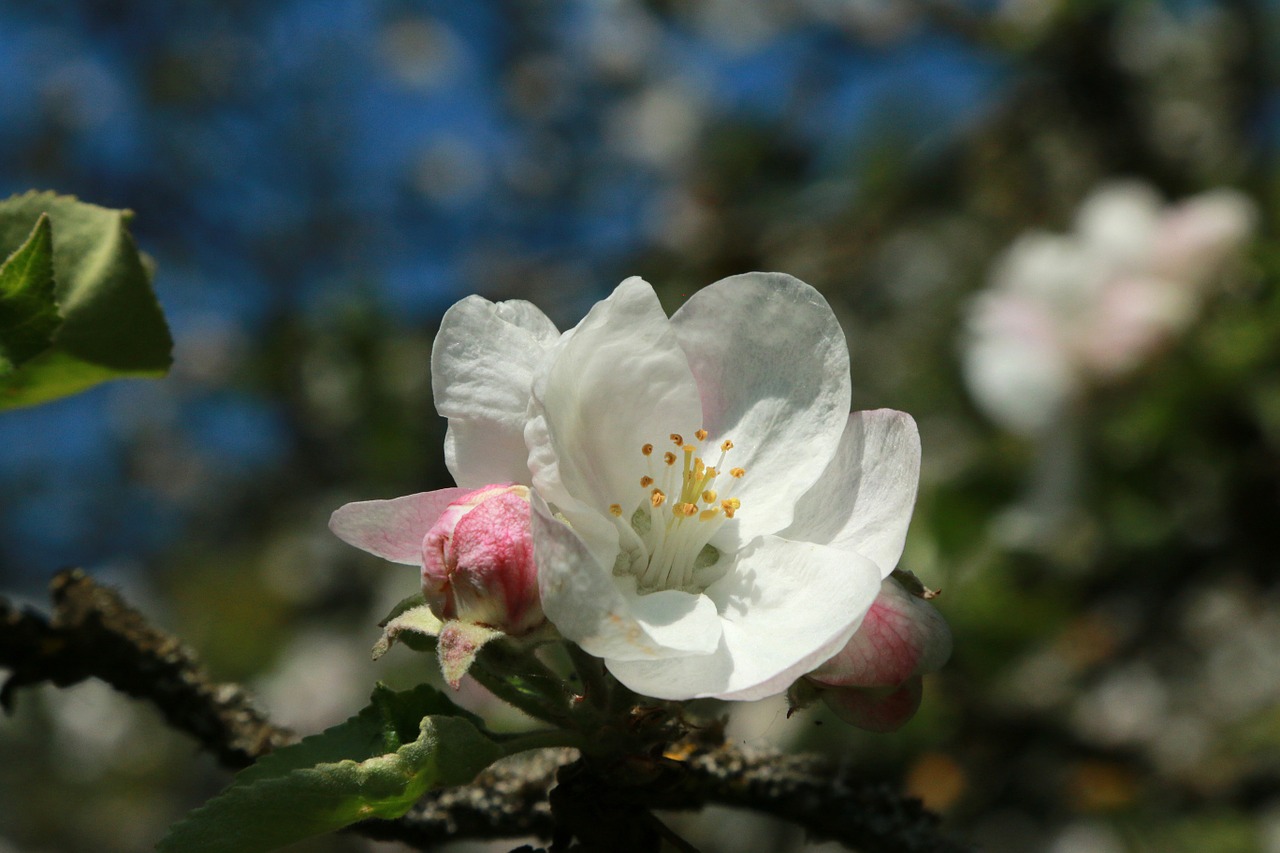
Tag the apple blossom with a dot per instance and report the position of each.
(1065, 311)
(708, 517)
(474, 547)
(874, 682)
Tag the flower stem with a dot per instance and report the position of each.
(517, 677)
(595, 682)
(542, 740)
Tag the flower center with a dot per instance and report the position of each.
(683, 502)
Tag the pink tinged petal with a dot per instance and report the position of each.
(863, 501)
(602, 613)
(392, 529)
(876, 710)
(616, 382)
(482, 366)
(901, 637)
(773, 373)
(785, 606)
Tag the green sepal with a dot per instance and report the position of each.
(458, 643)
(416, 627)
(110, 323)
(28, 302)
(801, 694)
(375, 765)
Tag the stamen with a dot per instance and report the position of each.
(669, 549)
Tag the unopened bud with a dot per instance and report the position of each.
(874, 682)
(477, 561)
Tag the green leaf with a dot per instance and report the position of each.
(111, 325)
(28, 304)
(375, 765)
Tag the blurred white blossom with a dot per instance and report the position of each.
(1064, 312)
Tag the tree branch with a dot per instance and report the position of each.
(94, 634)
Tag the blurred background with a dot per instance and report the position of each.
(318, 181)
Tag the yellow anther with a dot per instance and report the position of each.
(726, 445)
(709, 496)
(657, 498)
(616, 509)
(737, 473)
(647, 450)
(677, 438)
(730, 504)
(646, 482)
(729, 511)
(699, 467)
(708, 514)
(701, 434)
(669, 458)
(685, 509)
(712, 473)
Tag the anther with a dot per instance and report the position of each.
(616, 509)
(647, 450)
(737, 473)
(685, 509)
(669, 458)
(708, 514)
(701, 434)
(677, 438)
(709, 496)
(726, 445)
(657, 498)
(730, 504)
(646, 482)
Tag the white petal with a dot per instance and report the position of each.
(482, 367)
(394, 529)
(863, 501)
(619, 380)
(480, 452)
(1016, 364)
(602, 613)
(786, 607)
(773, 372)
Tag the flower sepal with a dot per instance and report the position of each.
(412, 623)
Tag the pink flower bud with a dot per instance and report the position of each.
(874, 682)
(477, 561)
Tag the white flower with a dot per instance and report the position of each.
(1063, 312)
(708, 517)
